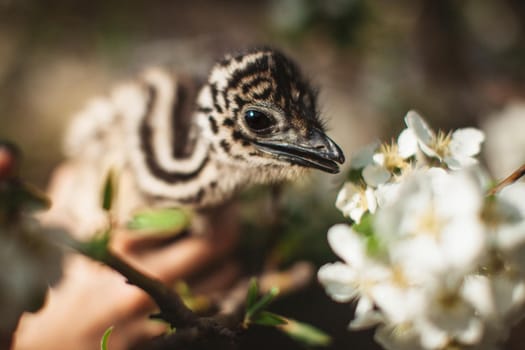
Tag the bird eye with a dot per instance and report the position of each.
(257, 121)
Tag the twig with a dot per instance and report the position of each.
(295, 278)
(515, 176)
(172, 308)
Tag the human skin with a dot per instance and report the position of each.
(91, 297)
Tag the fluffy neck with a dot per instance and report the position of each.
(195, 173)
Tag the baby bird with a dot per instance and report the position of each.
(254, 120)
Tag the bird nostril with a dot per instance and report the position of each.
(320, 147)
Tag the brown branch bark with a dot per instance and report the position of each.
(509, 180)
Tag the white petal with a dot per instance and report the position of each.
(347, 244)
(379, 158)
(473, 333)
(375, 175)
(407, 143)
(419, 257)
(431, 336)
(344, 197)
(422, 131)
(463, 242)
(365, 315)
(456, 195)
(338, 280)
(459, 162)
(397, 338)
(356, 213)
(451, 317)
(371, 200)
(387, 194)
(466, 142)
(477, 291)
(364, 156)
(398, 304)
(351, 202)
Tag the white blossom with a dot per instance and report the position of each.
(456, 149)
(438, 263)
(354, 201)
(435, 225)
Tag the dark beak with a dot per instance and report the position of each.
(315, 151)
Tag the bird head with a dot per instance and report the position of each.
(258, 111)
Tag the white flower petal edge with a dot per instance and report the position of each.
(466, 142)
(365, 315)
(364, 156)
(375, 175)
(354, 202)
(347, 244)
(464, 145)
(339, 281)
(407, 143)
(424, 134)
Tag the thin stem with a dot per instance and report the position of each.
(515, 176)
(172, 308)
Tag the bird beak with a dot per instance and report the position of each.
(315, 151)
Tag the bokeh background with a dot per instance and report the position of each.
(457, 62)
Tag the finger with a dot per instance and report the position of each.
(180, 259)
(186, 256)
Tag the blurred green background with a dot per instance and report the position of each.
(457, 62)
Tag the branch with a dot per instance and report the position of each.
(190, 327)
(509, 180)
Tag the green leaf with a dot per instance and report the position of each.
(160, 222)
(373, 246)
(108, 191)
(305, 333)
(262, 303)
(253, 292)
(105, 338)
(266, 318)
(97, 247)
(365, 225)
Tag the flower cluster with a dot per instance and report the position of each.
(431, 260)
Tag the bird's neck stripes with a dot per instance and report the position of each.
(147, 136)
(169, 169)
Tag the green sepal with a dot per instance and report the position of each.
(261, 303)
(266, 318)
(305, 333)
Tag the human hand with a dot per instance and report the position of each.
(92, 297)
